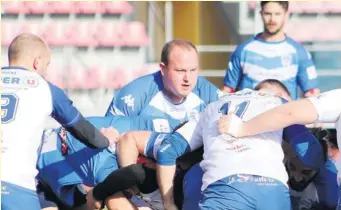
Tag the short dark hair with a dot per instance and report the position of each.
(167, 48)
(284, 4)
(274, 82)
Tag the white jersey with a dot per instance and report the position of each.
(328, 108)
(27, 101)
(225, 155)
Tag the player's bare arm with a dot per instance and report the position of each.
(296, 112)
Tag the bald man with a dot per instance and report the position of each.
(27, 101)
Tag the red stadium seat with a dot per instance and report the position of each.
(88, 7)
(116, 78)
(332, 6)
(330, 32)
(33, 27)
(109, 34)
(39, 7)
(55, 76)
(63, 7)
(55, 31)
(300, 31)
(90, 79)
(117, 7)
(83, 33)
(9, 29)
(136, 34)
(14, 7)
(294, 7)
(312, 7)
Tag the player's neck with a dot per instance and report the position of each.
(19, 64)
(280, 36)
(172, 97)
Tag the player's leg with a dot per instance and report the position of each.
(15, 197)
(192, 188)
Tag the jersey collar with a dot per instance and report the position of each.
(13, 67)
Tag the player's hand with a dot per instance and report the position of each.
(92, 202)
(111, 133)
(230, 124)
(312, 92)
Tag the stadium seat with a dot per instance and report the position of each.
(82, 33)
(63, 7)
(312, 7)
(89, 7)
(54, 75)
(332, 6)
(117, 7)
(33, 27)
(14, 7)
(9, 29)
(75, 76)
(116, 78)
(136, 34)
(55, 33)
(294, 7)
(109, 34)
(39, 7)
(330, 32)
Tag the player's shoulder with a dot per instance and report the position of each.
(243, 46)
(300, 49)
(148, 84)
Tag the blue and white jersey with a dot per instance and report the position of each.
(256, 60)
(225, 155)
(27, 101)
(80, 164)
(144, 97)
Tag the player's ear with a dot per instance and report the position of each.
(163, 68)
(36, 62)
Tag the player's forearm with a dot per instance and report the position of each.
(88, 134)
(296, 112)
(165, 176)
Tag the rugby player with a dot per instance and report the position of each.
(272, 54)
(27, 101)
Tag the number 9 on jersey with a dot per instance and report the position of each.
(9, 104)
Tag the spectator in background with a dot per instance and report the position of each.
(272, 55)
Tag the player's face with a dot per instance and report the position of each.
(181, 74)
(299, 176)
(274, 17)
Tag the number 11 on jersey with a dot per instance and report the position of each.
(239, 111)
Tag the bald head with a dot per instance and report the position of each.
(29, 51)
